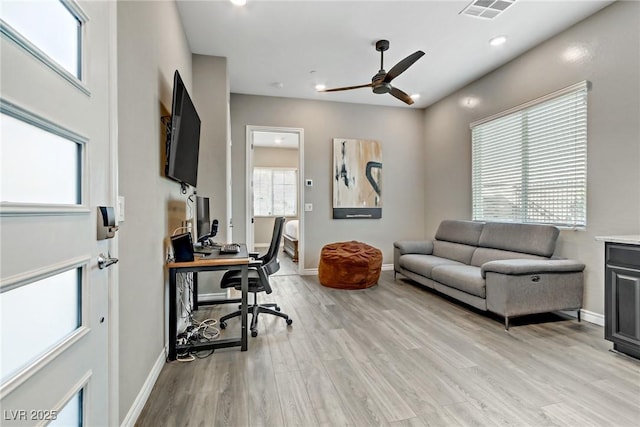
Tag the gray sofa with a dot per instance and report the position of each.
(503, 268)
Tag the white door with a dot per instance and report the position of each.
(57, 154)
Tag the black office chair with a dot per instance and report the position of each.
(259, 272)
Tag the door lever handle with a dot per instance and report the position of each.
(106, 261)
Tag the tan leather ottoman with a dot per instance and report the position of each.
(349, 265)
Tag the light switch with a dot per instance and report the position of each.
(120, 208)
(308, 207)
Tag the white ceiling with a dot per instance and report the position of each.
(284, 48)
(275, 139)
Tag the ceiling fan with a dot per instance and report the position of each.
(381, 82)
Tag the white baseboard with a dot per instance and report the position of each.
(591, 317)
(213, 296)
(145, 391)
(587, 316)
(314, 271)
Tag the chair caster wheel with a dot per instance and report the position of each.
(254, 333)
(277, 308)
(223, 325)
(289, 321)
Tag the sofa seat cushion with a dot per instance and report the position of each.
(424, 264)
(466, 278)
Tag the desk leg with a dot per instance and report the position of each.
(194, 296)
(172, 314)
(244, 285)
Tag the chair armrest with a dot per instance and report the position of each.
(424, 247)
(254, 254)
(518, 267)
(264, 279)
(254, 263)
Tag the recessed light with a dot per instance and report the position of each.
(415, 96)
(320, 87)
(469, 101)
(497, 40)
(278, 141)
(239, 2)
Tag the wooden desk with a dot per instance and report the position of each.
(213, 262)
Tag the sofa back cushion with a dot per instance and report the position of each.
(482, 255)
(455, 231)
(526, 238)
(454, 251)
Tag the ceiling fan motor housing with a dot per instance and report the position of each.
(382, 88)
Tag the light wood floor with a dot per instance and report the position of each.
(287, 266)
(399, 355)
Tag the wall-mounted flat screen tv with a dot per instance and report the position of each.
(184, 141)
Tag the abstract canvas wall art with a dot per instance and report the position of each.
(357, 178)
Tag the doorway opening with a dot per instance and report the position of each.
(275, 180)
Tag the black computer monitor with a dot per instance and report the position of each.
(203, 221)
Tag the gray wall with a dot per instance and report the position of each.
(399, 130)
(270, 157)
(610, 42)
(211, 98)
(151, 45)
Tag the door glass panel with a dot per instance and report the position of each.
(50, 26)
(71, 414)
(37, 316)
(37, 166)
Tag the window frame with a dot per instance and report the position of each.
(77, 80)
(295, 184)
(519, 131)
(44, 358)
(19, 208)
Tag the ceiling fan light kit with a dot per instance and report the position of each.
(381, 82)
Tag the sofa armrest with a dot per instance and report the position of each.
(424, 247)
(518, 267)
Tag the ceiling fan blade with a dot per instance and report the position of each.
(401, 66)
(337, 89)
(401, 95)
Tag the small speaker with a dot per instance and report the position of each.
(214, 228)
(182, 247)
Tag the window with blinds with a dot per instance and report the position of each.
(530, 163)
(275, 192)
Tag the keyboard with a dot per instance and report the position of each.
(205, 250)
(230, 248)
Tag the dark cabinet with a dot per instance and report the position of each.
(622, 297)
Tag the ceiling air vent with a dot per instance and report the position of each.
(486, 9)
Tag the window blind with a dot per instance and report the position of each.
(529, 164)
